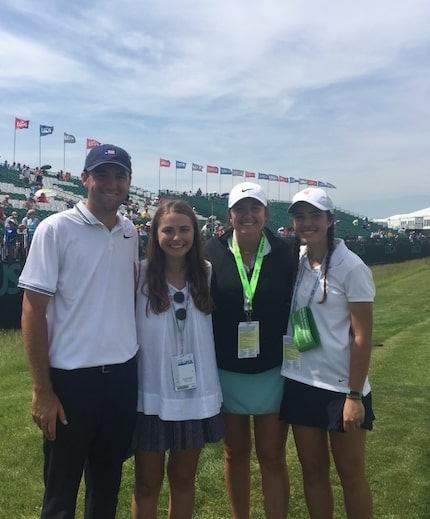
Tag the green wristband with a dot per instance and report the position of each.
(356, 394)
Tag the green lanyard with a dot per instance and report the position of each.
(249, 287)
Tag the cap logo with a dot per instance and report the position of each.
(247, 189)
(110, 153)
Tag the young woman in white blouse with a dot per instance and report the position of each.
(179, 398)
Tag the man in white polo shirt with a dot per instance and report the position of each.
(79, 335)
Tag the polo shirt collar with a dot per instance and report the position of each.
(89, 218)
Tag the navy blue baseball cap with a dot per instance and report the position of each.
(107, 154)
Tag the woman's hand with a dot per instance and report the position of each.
(353, 414)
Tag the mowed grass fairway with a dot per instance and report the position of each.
(398, 449)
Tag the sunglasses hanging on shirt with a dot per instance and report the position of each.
(180, 313)
(178, 297)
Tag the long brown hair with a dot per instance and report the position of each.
(330, 249)
(155, 286)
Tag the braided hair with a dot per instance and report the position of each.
(330, 249)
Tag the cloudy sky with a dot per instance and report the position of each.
(334, 91)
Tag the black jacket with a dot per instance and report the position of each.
(271, 304)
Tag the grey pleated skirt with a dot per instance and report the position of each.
(156, 435)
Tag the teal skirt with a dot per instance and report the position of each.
(252, 394)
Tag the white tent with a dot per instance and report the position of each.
(418, 220)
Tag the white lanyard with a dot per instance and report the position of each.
(299, 279)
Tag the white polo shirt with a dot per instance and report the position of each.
(90, 273)
(349, 280)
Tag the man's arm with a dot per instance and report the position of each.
(45, 405)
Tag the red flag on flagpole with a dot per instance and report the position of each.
(21, 124)
(164, 163)
(92, 143)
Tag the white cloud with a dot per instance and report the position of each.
(30, 62)
(336, 89)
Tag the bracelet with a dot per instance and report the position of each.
(354, 394)
(349, 397)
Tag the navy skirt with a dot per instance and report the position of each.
(311, 406)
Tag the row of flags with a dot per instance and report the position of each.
(22, 124)
(165, 163)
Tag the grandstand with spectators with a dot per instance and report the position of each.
(395, 239)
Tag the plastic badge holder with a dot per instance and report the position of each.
(305, 331)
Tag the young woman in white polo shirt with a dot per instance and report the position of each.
(327, 397)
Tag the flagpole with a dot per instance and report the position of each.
(14, 142)
(40, 149)
(64, 155)
(159, 180)
(192, 179)
(176, 178)
(207, 181)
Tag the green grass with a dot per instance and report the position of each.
(398, 449)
